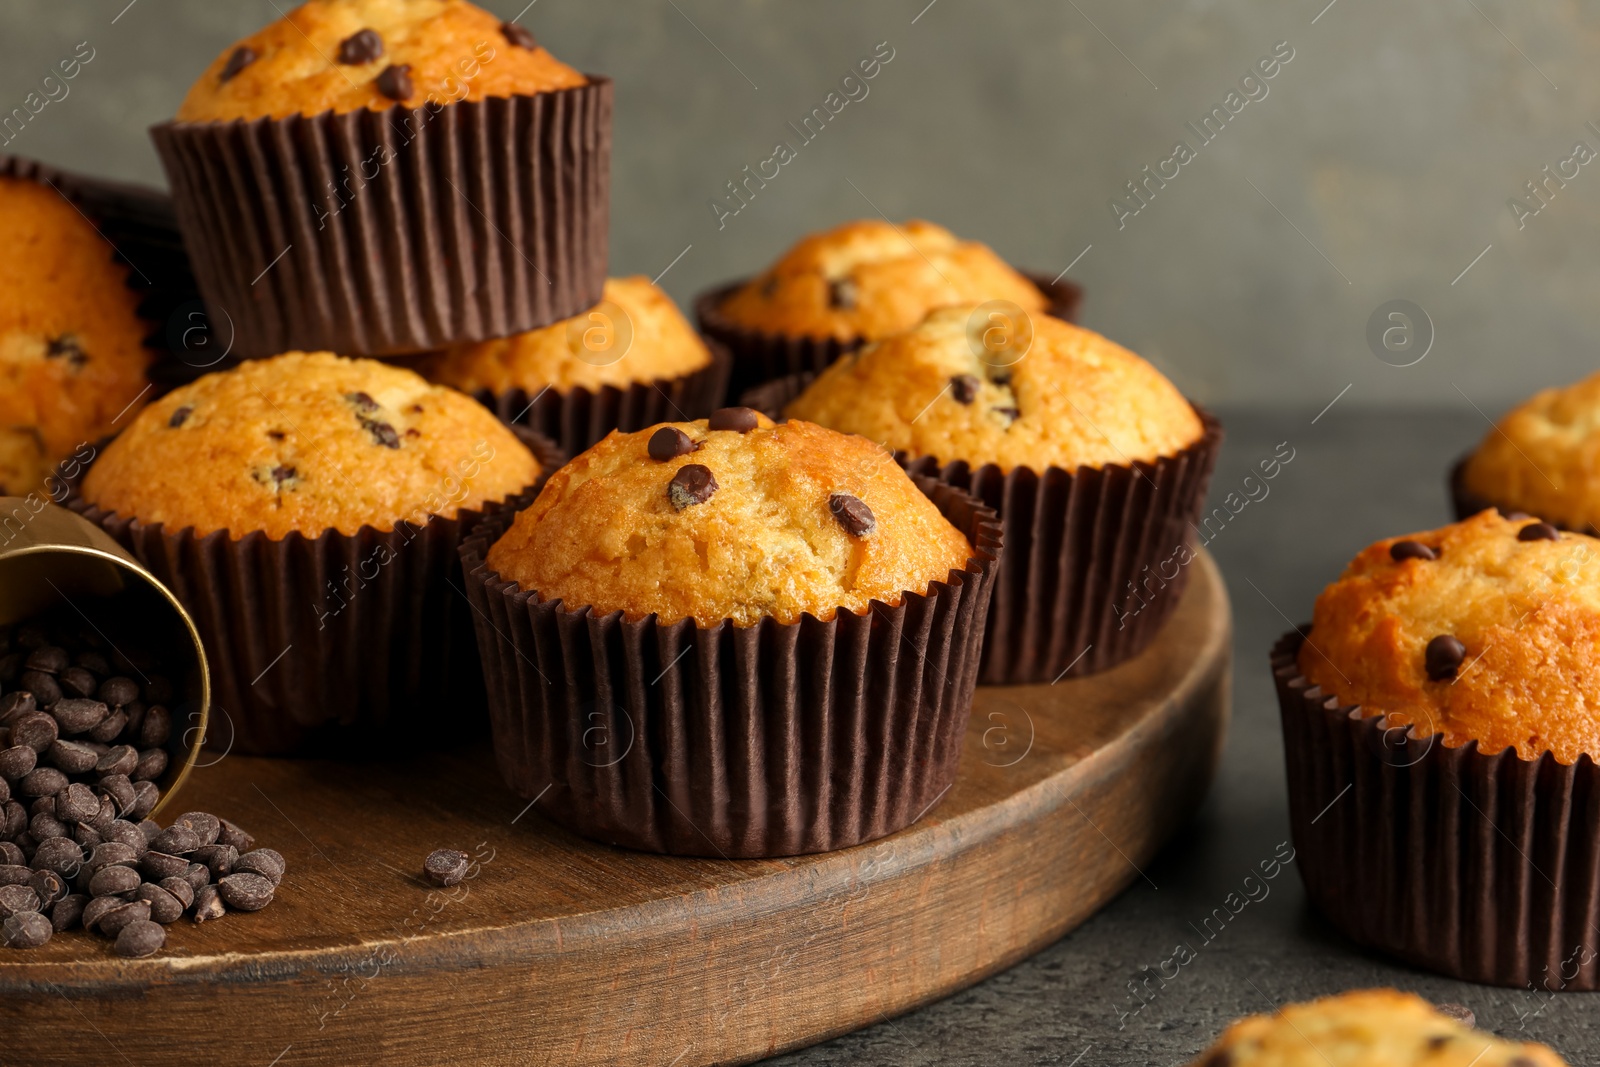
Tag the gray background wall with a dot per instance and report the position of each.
(1382, 158)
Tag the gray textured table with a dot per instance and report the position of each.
(1356, 476)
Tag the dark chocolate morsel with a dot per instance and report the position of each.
(1404, 550)
(1444, 657)
(669, 442)
(382, 433)
(693, 484)
(360, 47)
(739, 420)
(519, 35)
(1538, 531)
(964, 387)
(180, 416)
(1009, 414)
(1459, 1012)
(395, 82)
(445, 866)
(363, 403)
(242, 57)
(853, 514)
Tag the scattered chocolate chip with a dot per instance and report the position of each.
(739, 420)
(281, 474)
(111, 854)
(15, 874)
(1538, 531)
(1010, 414)
(964, 387)
(158, 866)
(1459, 1012)
(152, 765)
(17, 898)
(118, 691)
(519, 35)
(218, 859)
(262, 861)
(669, 442)
(853, 514)
(180, 416)
(445, 866)
(842, 294)
(693, 484)
(203, 825)
(42, 782)
(49, 658)
(364, 404)
(66, 347)
(26, 930)
(120, 759)
(17, 761)
(48, 886)
(164, 907)
(71, 757)
(382, 433)
(395, 82)
(232, 835)
(68, 911)
(360, 47)
(119, 918)
(139, 938)
(37, 730)
(198, 876)
(176, 840)
(77, 715)
(1000, 378)
(110, 728)
(1444, 657)
(1404, 550)
(242, 57)
(77, 803)
(15, 704)
(77, 683)
(208, 905)
(246, 891)
(113, 881)
(181, 890)
(43, 685)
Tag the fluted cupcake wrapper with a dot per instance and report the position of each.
(1467, 503)
(389, 232)
(1480, 867)
(1096, 559)
(578, 418)
(142, 230)
(332, 643)
(768, 740)
(761, 356)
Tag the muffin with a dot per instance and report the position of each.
(1542, 458)
(629, 362)
(307, 510)
(1367, 1028)
(1095, 462)
(72, 354)
(1447, 685)
(860, 282)
(772, 622)
(404, 175)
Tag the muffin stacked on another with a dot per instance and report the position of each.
(1095, 461)
(1367, 1028)
(1448, 685)
(306, 510)
(778, 622)
(1542, 458)
(72, 355)
(630, 361)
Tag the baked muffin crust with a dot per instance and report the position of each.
(308, 442)
(684, 521)
(1073, 399)
(648, 341)
(1497, 639)
(1367, 1028)
(1543, 457)
(870, 279)
(72, 355)
(345, 55)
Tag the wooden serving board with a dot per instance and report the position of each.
(559, 951)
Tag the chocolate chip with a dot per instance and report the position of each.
(245, 891)
(203, 825)
(180, 416)
(152, 765)
(180, 889)
(964, 387)
(164, 907)
(44, 687)
(76, 803)
(669, 442)
(97, 909)
(853, 514)
(1444, 657)
(77, 683)
(125, 833)
(118, 691)
(364, 404)
(122, 759)
(49, 659)
(111, 854)
(68, 911)
(1538, 531)
(198, 876)
(121, 791)
(262, 861)
(15, 704)
(218, 859)
(693, 484)
(113, 881)
(395, 82)
(26, 930)
(77, 715)
(1000, 378)
(1404, 550)
(15, 873)
(17, 761)
(42, 782)
(842, 294)
(158, 866)
(382, 433)
(1009, 414)
(232, 835)
(445, 866)
(139, 938)
(44, 825)
(17, 898)
(242, 57)
(110, 728)
(281, 474)
(146, 795)
(36, 730)
(1459, 1012)
(176, 841)
(360, 47)
(156, 727)
(518, 35)
(66, 347)
(208, 905)
(48, 886)
(93, 661)
(739, 420)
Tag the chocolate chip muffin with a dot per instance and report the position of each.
(308, 442)
(1367, 1028)
(72, 357)
(732, 518)
(345, 55)
(1482, 631)
(1543, 458)
(1067, 398)
(872, 278)
(635, 334)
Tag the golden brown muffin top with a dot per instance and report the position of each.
(1072, 399)
(308, 442)
(635, 334)
(872, 278)
(1544, 457)
(345, 55)
(1367, 1028)
(795, 520)
(72, 354)
(1494, 639)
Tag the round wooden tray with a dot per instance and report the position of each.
(559, 951)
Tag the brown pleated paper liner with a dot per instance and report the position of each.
(1480, 867)
(762, 356)
(578, 418)
(768, 740)
(1096, 558)
(140, 226)
(1467, 503)
(401, 230)
(334, 643)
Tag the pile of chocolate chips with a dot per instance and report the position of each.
(81, 744)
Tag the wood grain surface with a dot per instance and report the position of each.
(558, 951)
